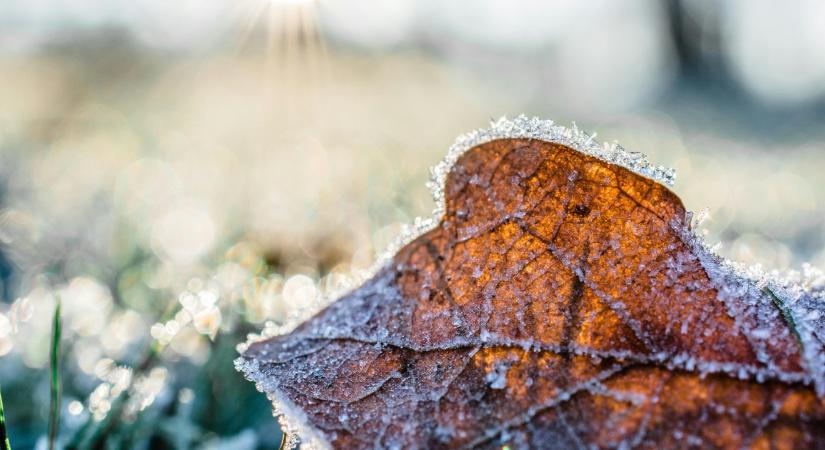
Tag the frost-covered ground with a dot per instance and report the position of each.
(176, 201)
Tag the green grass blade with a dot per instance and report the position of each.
(54, 366)
(4, 436)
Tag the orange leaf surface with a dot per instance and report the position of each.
(562, 301)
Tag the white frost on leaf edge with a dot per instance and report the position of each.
(521, 127)
(802, 294)
(292, 419)
(800, 297)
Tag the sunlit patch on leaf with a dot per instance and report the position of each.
(559, 299)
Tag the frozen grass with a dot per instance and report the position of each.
(54, 377)
(4, 435)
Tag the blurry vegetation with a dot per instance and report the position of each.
(4, 437)
(54, 373)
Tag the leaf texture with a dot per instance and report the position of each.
(561, 302)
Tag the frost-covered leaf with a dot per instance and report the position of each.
(560, 300)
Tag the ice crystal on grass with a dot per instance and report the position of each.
(560, 295)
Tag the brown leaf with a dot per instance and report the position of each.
(561, 302)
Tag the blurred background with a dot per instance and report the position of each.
(181, 172)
